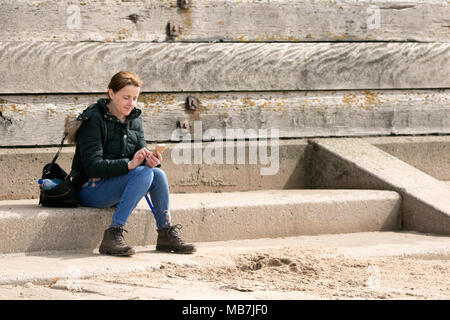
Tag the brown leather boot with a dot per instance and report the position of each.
(169, 240)
(114, 244)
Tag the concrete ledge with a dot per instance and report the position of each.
(27, 227)
(426, 153)
(22, 167)
(355, 163)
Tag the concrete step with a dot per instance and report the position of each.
(27, 227)
(426, 153)
(355, 163)
(20, 182)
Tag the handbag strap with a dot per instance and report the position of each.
(60, 148)
(47, 171)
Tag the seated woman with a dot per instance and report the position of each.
(112, 166)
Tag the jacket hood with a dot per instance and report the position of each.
(74, 121)
(100, 106)
(102, 102)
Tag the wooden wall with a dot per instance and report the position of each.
(307, 68)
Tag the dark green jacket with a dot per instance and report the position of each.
(103, 156)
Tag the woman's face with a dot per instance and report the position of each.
(125, 99)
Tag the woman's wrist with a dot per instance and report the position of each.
(130, 165)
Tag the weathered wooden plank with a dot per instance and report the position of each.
(57, 67)
(226, 20)
(39, 120)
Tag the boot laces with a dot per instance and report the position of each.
(118, 235)
(174, 233)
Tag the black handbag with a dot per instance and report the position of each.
(64, 194)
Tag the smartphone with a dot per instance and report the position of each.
(159, 148)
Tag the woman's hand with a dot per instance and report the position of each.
(152, 160)
(138, 157)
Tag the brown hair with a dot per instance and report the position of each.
(122, 79)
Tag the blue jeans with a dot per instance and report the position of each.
(126, 191)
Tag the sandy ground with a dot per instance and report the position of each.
(356, 266)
